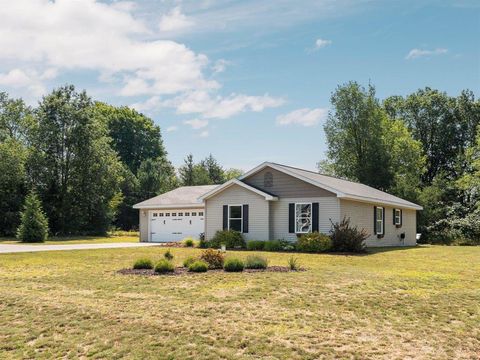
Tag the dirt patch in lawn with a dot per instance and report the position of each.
(184, 271)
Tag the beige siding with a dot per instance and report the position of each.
(143, 214)
(258, 224)
(329, 208)
(285, 185)
(361, 215)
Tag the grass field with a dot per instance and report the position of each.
(411, 303)
(77, 240)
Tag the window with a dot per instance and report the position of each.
(235, 213)
(194, 213)
(180, 214)
(187, 214)
(303, 218)
(174, 214)
(397, 216)
(200, 213)
(268, 179)
(160, 214)
(379, 220)
(154, 214)
(167, 214)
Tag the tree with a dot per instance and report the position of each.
(13, 181)
(76, 171)
(16, 121)
(215, 172)
(187, 171)
(354, 131)
(135, 137)
(233, 173)
(34, 223)
(156, 176)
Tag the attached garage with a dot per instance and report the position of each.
(174, 215)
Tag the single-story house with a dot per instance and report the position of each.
(274, 201)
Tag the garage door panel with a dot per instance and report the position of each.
(175, 225)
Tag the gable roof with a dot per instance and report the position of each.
(232, 182)
(342, 188)
(184, 196)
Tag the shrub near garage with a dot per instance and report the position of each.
(189, 260)
(164, 266)
(314, 243)
(233, 265)
(255, 245)
(198, 266)
(230, 238)
(213, 258)
(143, 263)
(256, 262)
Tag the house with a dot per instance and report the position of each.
(274, 201)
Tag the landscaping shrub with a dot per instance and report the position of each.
(198, 266)
(256, 262)
(34, 224)
(287, 245)
(143, 263)
(230, 238)
(168, 255)
(164, 266)
(203, 244)
(213, 258)
(346, 238)
(188, 242)
(293, 263)
(233, 265)
(257, 245)
(189, 260)
(314, 243)
(273, 245)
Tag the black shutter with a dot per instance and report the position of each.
(394, 215)
(245, 218)
(401, 217)
(383, 222)
(375, 220)
(291, 218)
(225, 217)
(315, 217)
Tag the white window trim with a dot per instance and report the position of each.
(311, 217)
(240, 218)
(377, 220)
(399, 211)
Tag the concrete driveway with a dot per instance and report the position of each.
(12, 248)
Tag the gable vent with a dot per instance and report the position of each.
(268, 179)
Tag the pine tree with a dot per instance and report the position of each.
(34, 223)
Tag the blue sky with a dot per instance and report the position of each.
(247, 81)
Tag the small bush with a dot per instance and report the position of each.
(188, 242)
(255, 245)
(203, 244)
(346, 238)
(198, 266)
(293, 263)
(256, 262)
(164, 266)
(143, 263)
(213, 258)
(314, 243)
(287, 245)
(273, 245)
(168, 255)
(33, 223)
(233, 265)
(189, 260)
(230, 238)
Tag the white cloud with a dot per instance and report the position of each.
(220, 66)
(153, 103)
(196, 123)
(172, 128)
(304, 117)
(175, 21)
(30, 80)
(204, 133)
(417, 53)
(321, 43)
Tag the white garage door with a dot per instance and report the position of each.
(175, 225)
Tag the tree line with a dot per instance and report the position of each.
(88, 162)
(424, 147)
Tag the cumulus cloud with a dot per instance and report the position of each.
(196, 123)
(175, 21)
(417, 53)
(30, 80)
(321, 43)
(303, 117)
(172, 128)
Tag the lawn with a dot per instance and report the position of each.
(77, 240)
(411, 303)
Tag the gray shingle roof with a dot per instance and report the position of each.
(182, 196)
(350, 189)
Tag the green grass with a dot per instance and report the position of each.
(76, 240)
(410, 303)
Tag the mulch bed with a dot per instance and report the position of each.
(184, 271)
